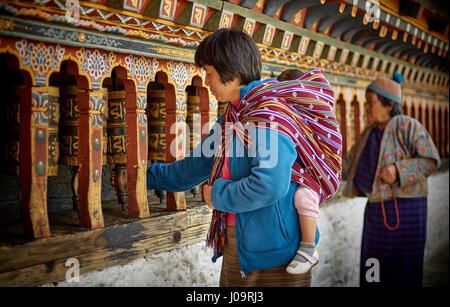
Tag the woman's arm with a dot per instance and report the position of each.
(183, 175)
(424, 155)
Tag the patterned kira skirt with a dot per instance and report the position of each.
(230, 275)
(399, 253)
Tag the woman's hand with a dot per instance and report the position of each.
(207, 195)
(389, 173)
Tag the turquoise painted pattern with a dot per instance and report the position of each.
(406, 143)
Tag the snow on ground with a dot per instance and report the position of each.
(340, 224)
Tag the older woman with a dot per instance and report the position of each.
(389, 164)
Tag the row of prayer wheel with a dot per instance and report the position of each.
(63, 114)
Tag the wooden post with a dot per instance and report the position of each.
(136, 155)
(35, 114)
(90, 131)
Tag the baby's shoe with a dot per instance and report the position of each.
(304, 260)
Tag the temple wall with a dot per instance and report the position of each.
(116, 90)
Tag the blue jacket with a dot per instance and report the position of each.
(260, 193)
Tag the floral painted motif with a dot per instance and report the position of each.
(142, 69)
(142, 106)
(41, 58)
(96, 105)
(96, 64)
(180, 73)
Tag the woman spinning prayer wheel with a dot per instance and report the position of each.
(157, 127)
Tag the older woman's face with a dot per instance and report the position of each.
(376, 112)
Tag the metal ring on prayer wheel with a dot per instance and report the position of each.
(157, 125)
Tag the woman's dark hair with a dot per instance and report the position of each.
(290, 74)
(232, 53)
(396, 107)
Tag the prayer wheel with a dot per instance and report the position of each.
(104, 114)
(221, 108)
(156, 115)
(53, 113)
(68, 135)
(68, 131)
(193, 120)
(157, 125)
(117, 151)
(11, 148)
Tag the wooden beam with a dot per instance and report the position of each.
(43, 261)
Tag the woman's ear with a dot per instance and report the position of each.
(236, 81)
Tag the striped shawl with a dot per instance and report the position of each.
(303, 110)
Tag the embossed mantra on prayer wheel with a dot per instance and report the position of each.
(117, 150)
(193, 120)
(156, 106)
(68, 134)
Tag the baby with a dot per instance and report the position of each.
(306, 202)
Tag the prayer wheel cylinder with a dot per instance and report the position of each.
(157, 125)
(221, 108)
(68, 134)
(156, 115)
(68, 130)
(116, 128)
(193, 117)
(117, 151)
(193, 120)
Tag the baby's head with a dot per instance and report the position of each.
(290, 74)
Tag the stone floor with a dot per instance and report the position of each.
(436, 271)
